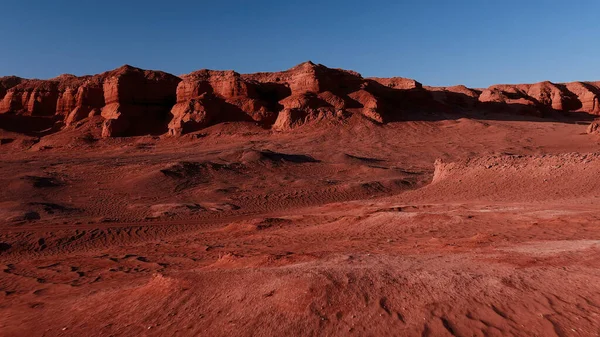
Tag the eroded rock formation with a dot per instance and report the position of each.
(207, 97)
(133, 101)
(137, 101)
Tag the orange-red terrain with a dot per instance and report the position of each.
(307, 202)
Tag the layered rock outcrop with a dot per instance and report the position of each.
(207, 97)
(137, 101)
(594, 127)
(7, 83)
(532, 98)
(133, 101)
(303, 93)
(32, 98)
(588, 96)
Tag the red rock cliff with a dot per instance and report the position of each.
(137, 101)
(133, 101)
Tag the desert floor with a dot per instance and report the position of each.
(351, 229)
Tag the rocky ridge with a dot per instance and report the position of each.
(134, 101)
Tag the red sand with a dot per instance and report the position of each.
(479, 226)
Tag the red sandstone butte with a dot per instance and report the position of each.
(137, 101)
(134, 101)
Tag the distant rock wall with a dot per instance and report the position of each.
(133, 101)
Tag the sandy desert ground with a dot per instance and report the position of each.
(455, 227)
(307, 202)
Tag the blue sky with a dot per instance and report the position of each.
(477, 43)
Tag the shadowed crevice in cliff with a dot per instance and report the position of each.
(137, 101)
(33, 126)
(138, 120)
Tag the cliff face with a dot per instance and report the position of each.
(283, 100)
(137, 101)
(133, 101)
(207, 97)
(6, 83)
(57, 96)
(32, 97)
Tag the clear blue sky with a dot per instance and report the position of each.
(441, 42)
